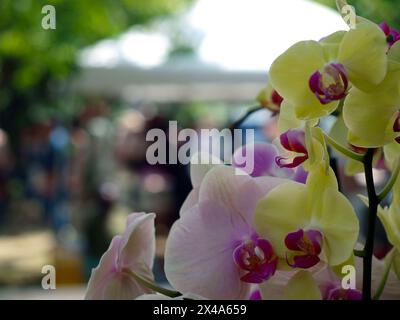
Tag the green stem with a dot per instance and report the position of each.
(373, 203)
(385, 275)
(151, 285)
(345, 151)
(382, 195)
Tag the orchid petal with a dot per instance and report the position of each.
(394, 52)
(200, 164)
(138, 243)
(390, 218)
(290, 74)
(263, 155)
(331, 45)
(318, 205)
(392, 153)
(101, 273)
(370, 116)
(300, 175)
(363, 53)
(203, 239)
(274, 218)
(302, 286)
(287, 118)
(191, 199)
(334, 215)
(122, 287)
(134, 250)
(223, 183)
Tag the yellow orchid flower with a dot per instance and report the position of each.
(314, 76)
(270, 98)
(373, 118)
(288, 120)
(314, 222)
(299, 146)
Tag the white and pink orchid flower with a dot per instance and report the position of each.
(213, 249)
(131, 253)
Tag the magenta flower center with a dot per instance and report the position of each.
(257, 258)
(392, 35)
(273, 102)
(276, 98)
(304, 248)
(329, 84)
(396, 126)
(293, 140)
(344, 294)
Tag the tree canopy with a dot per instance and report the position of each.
(377, 10)
(33, 60)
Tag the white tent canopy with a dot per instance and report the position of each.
(236, 41)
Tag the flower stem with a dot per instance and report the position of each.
(238, 122)
(388, 265)
(151, 285)
(345, 151)
(373, 202)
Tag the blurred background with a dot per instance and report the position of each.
(76, 103)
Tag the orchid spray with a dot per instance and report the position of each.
(285, 229)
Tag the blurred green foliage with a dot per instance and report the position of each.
(35, 62)
(375, 10)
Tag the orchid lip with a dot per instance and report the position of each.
(331, 84)
(257, 258)
(293, 140)
(284, 162)
(304, 248)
